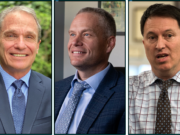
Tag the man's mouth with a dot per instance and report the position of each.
(77, 52)
(162, 56)
(19, 55)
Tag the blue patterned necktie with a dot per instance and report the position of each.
(62, 123)
(18, 106)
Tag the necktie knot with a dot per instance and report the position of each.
(18, 84)
(164, 85)
(80, 87)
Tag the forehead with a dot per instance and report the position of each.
(85, 20)
(19, 19)
(160, 24)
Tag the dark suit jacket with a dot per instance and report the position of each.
(38, 108)
(106, 110)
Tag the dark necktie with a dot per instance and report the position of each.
(18, 106)
(62, 123)
(163, 118)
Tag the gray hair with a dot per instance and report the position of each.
(28, 10)
(105, 18)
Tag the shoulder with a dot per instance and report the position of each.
(46, 81)
(121, 78)
(64, 82)
(139, 79)
(139, 83)
(115, 81)
(115, 77)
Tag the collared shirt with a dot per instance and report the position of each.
(8, 81)
(143, 97)
(87, 95)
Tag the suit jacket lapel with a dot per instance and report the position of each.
(5, 112)
(98, 101)
(35, 95)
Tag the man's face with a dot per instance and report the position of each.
(162, 44)
(18, 42)
(87, 45)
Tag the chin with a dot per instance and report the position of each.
(78, 66)
(164, 68)
(20, 66)
(76, 63)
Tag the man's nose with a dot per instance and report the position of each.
(20, 43)
(77, 41)
(160, 43)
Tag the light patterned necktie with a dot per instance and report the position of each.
(18, 106)
(62, 123)
(163, 118)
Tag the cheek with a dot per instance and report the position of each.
(5, 47)
(149, 52)
(33, 48)
(69, 45)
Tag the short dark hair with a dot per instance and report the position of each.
(160, 10)
(105, 18)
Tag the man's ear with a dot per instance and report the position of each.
(143, 40)
(38, 46)
(110, 43)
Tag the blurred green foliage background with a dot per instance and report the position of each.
(42, 63)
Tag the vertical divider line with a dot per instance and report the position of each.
(127, 65)
(52, 83)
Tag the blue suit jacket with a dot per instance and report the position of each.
(37, 119)
(105, 113)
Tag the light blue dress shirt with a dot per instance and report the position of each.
(8, 80)
(86, 96)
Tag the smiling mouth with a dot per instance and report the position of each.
(162, 56)
(19, 55)
(77, 52)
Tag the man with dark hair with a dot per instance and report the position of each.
(154, 96)
(25, 95)
(93, 100)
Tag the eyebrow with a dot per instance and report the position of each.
(84, 30)
(168, 30)
(150, 32)
(14, 31)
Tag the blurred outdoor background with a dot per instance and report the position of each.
(42, 63)
(137, 57)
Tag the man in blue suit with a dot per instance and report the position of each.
(25, 95)
(100, 107)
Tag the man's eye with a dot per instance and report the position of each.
(86, 34)
(72, 34)
(30, 37)
(151, 37)
(10, 35)
(169, 35)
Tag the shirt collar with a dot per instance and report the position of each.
(8, 79)
(152, 78)
(94, 80)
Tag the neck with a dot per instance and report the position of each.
(165, 75)
(17, 74)
(85, 74)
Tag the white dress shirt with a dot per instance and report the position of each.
(143, 97)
